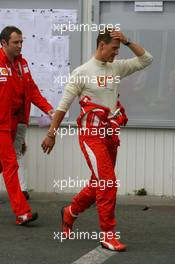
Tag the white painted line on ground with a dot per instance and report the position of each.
(98, 255)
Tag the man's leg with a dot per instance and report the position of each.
(10, 168)
(80, 202)
(87, 195)
(102, 168)
(10, 173)
(101, 157)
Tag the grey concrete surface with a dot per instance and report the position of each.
(149, 234)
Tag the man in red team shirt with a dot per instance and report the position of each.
(17, 92)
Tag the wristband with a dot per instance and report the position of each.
(128, 42)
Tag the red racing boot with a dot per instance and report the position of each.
(112, 243)
(68, 219)
(26, 218)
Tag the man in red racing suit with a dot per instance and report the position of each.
(99, 147)
(98, 96)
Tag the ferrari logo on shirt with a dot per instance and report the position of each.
(3, 72)
(101, 80)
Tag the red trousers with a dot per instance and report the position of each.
(100, 154)
(10, 172)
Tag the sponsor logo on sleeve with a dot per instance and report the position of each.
(3, 72)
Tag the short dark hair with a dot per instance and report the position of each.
(7, 31)
(104, 36)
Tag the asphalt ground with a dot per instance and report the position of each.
(146, 225)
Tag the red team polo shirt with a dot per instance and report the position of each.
(17, 91)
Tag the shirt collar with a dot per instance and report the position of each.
(99, 62)
(5, 58)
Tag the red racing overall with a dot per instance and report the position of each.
(100, 153)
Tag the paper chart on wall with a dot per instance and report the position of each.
(51, 82)
(43, 19)
(47, 53)
(43, 50)
(25, 21)
(29, 53)
(7, 16)
(63, 17)
(42, 75)
(60, 50)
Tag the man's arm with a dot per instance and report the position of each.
(129, 66)
(49, 141)
(72, 89)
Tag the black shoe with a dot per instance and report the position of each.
(26, 194)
